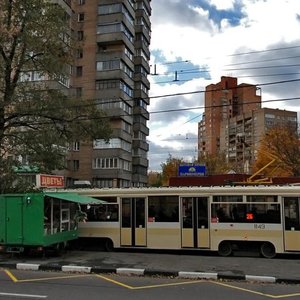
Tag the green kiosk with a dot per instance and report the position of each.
(40, 220)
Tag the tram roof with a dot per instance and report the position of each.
(203, 190)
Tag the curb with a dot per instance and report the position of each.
(149, 272)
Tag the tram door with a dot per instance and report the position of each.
(194, 214)
(291, 224)
(133, 223)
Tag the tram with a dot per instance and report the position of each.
(220, 219)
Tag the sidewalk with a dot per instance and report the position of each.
(177, 264)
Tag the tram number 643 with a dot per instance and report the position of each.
(259, 226)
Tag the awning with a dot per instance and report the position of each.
(73, 197)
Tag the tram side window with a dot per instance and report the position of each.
(163, 208)
(262, 198)
(291, 213)
(245, 213)
(228, 198)
(102, 213)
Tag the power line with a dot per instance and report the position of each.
(267, 50)
(202, 91)
(95, 103)
(242, 76)
(223, 105)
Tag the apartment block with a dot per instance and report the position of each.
(223, 101)
(111, 66)
(240, 136)
(234, 122)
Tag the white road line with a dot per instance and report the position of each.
(24, 295)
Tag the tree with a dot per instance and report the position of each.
(282, 144)
(170, 168)
(215, 164)
(154, 179)
(37, 117)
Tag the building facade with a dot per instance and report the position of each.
(111, 66)
(240, 136)
(234, 122)
(223, 101)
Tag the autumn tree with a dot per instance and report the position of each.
(154, 179)
(170, 168)
(281, 146)
(37, 116)
(215, 164)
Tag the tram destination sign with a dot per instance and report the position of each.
(191, 170)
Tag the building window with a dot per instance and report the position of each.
(78, 91)
(116, 27)
(81, 2)
(107, 84)
(114, 84)
(108, 65)
(109, 9)
(126, 89)
(80, 35)
(111, 163)
(106, 104)
(114, 143)
(80, 17)
(76, 146)
(79, 53)
(79, 71)
(75, 165)
(106, 163)
(128, 53)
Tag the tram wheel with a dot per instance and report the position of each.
(225, 248)
(267, 250)
(109, 245)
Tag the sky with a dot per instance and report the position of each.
(195, 42)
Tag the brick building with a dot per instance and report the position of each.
(233, 122)
(112, 66)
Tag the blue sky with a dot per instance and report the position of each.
(195, 42)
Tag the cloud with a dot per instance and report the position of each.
(214, 36)
(179, 13)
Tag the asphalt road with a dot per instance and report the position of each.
(286, 266)
(17, 284)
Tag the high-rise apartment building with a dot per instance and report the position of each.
(223, 101)
(240, 136)
(111, 66)
(233, 122)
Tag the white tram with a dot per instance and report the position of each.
(209, 218)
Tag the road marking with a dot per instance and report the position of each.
(255, 292)
(11, 276)
(14, 279)
(147, 286)
(115, 282)
(166, 284)
(24, 295)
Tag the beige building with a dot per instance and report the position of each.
(240, 136)
(112, 67)
(234, 122)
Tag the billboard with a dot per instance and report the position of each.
(191, 170)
